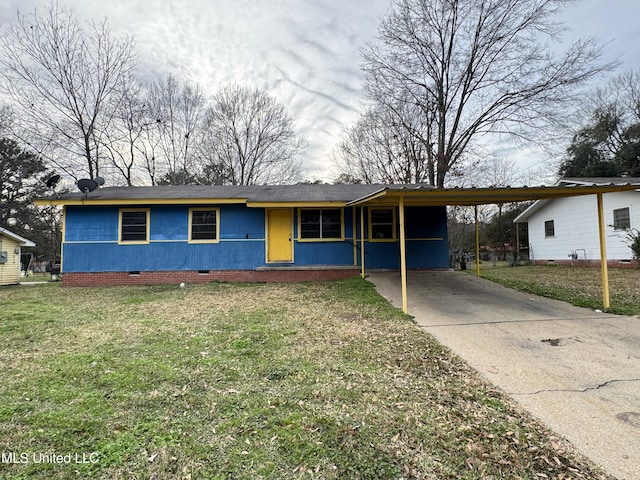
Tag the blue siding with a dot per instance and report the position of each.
(111, 257)
(95, 224)
(168, 222)
(427, 241)
(426, 222)
(91, 242)
(324, 253)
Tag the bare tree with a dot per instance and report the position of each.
(494, 172)
(474, 67)
(386, 146)
(6, 119)
(250, 138)
(126, 138)
(65, 83)
(620, 97)
(176, 110)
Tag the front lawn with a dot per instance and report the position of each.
(318, 380)
(580, 286)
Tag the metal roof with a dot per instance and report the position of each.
(419, 195)
(597, 181)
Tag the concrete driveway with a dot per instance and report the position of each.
(578, 371)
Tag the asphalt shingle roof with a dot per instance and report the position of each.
(253, 193)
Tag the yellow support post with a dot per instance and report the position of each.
(362, 240)
(354, 229)
(604, 270)
(477, 242)
(403, 258)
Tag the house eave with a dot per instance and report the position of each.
(138, 201)
(23, 242)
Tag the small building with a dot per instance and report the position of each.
(10, 254)
(565, 230)
(196, 233)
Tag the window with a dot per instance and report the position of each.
(134, 225)
(382, 224)
(324, 223)
(203, 225)
(621, 219)
(549, 229)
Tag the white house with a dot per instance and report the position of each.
(10, 250)
(565, 230)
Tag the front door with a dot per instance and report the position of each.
(279, 235)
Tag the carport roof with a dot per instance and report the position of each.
(524, 216)
(427, 195)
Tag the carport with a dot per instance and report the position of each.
(402, 196)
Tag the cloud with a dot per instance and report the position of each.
(305, 52)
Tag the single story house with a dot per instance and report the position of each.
(196, 233)
(565, 230)
(10, 253)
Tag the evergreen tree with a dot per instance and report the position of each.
(20, 183)
(609, 145)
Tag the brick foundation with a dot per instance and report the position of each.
(95, 279)
(589, 263)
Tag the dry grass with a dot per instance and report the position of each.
(322, 380)
(581, 286)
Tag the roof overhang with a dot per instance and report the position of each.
(319, 204)
(42, 202)
(23, 242)
(390, 196)
(190, 201)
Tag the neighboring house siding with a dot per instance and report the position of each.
(576, 227)
(9, 271)
(91, 241)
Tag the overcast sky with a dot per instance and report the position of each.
(304, 52)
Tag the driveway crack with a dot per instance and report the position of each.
(583, 390)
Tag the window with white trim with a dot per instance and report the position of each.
(549, 229)
(621, 218)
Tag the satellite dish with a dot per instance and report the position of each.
(87, 185)
(99, 181)
(52, 181)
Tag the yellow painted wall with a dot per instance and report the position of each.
(9, 272)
